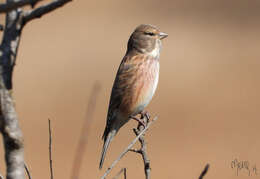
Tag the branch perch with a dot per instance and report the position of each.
(129, 148)
(142, 151)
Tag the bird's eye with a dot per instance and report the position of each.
(149, 33)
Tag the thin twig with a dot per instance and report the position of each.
(27, 171)
(6, 7)
(127, 149)
(50, 149)
(203, 173)
(44, 9)
(123, 170)
(142, 150)
(85, 131)
(124, 173)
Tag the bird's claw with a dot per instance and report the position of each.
(145, 114)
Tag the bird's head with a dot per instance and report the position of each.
(146, 39)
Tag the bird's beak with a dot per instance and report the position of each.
(163, 35)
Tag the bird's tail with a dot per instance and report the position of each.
(107, 140)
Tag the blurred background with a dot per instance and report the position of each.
(207, 100)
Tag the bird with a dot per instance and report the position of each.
(135, 82)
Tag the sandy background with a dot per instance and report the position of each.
(207, 101)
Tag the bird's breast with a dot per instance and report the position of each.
(146, 84)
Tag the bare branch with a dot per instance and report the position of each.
(6, 7)
(142, 150)
(128, 148)
(27, 171)
(85, 131)
(10, 45)
(44, 9)
(119, 173)
(203, 173)
(12, 134)
(9, 127)
(50, 148)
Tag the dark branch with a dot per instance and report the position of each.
(10, 45)
(85, 131)
(1, 27)
(6, 7)
(203, 173)
(128, 148)
(44, 9)
(50, 148)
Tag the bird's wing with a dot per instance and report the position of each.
(121, 89)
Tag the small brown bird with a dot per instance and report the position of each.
(135, 82)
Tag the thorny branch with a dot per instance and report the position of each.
(128, 148)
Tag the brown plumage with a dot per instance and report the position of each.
(136, 80)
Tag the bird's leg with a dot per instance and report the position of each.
(145, 114)
(142, 122)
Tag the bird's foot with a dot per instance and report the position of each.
(145, 114)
